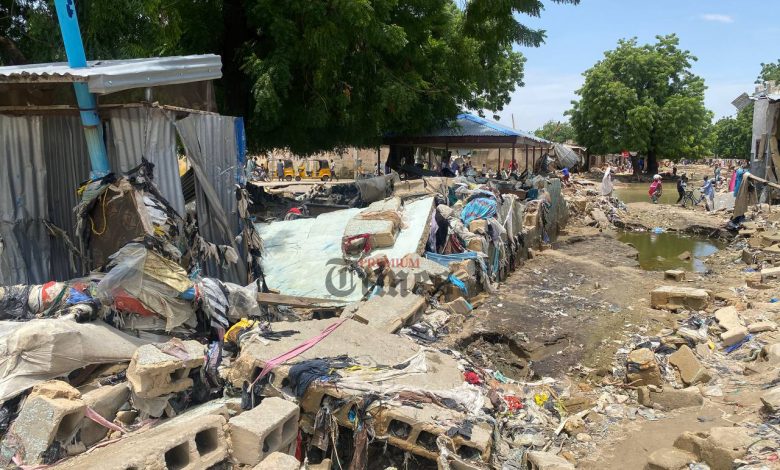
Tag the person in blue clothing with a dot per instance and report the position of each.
(738, 182)
(708, 191)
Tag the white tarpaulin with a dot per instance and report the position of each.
(39, 350)
(304, 258)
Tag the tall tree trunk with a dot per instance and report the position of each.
(235, 35)
(635, 165)
(652, 163)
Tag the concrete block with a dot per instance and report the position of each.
(106, 401)
(674, 275)
(770, 273)
(733, 336)
(547, 461)
(696, 299)
(691, 370)
(723, 446)
(278, 461)
(196, 443)
(672, 399)
(387, 312)
(269, 427)
(153, 373)
(771, 354)
(642, 368)
(669, 459)
(459, 306)
(41, 421)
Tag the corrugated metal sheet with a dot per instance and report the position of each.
(210, 142)
(23, 202)
(67, 166)
(147, 132)
(108, 76)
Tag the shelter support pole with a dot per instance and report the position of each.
(379, 160)
(90, 121)
(526, 157)
(514, 163)
(499, 161)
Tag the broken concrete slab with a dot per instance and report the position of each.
(153, 373)
(674, 275)
(547, 461)
(670, 458)
(642, 368)
(105, 401)
(271, 426)
(351, 338)
(43, 420)
(771, 399)
(696, 299)
(728, 318)
(762, 326)
(459, 306)
(724, 445)
(278, 461)
(196, 443)
(387, 312)
(771, 354)
(684, 256)
(691, 370)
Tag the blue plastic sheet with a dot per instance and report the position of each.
(480, 208)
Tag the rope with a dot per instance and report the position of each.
(105, 221)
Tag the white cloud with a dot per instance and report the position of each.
(545, 96)
(717, 18)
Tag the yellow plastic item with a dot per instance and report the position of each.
(541, 398)
(232, 333)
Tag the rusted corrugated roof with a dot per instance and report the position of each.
(108, 76)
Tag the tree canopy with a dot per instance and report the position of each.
(643, 98)
(310, 75)
(770, 71)
(732, 136)
(557, 131)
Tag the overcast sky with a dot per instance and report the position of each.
(730, 38)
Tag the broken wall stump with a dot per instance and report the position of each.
(665, 296)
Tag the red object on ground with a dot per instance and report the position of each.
(513, 403)
(472, 378)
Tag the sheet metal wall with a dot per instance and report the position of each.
(147, 132)
(67, 166)
(23, 201)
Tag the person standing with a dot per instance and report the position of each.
(606, 182)
(681, 188)
(738, 179)
(708, 191)
(333, 170)
(249, 169)
(280, 170)
(656, 189)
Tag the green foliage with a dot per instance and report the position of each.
(732, 136)
(643, 98)
(770, 71)
(311, 75)
(557, 131)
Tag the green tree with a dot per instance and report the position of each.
(311, 74)
(557, 131)
(770, 71)
(643, 98)
(733, 135)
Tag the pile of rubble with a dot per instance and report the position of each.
(145, 363)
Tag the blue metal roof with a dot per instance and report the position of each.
(468, 125)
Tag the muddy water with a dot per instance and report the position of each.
(659, 252)
(637, 192)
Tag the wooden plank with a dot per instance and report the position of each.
(762, 180)
(270, 298)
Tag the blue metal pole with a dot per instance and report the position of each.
(90, 121)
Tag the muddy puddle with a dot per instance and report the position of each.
(661, 251)
(637, 192)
